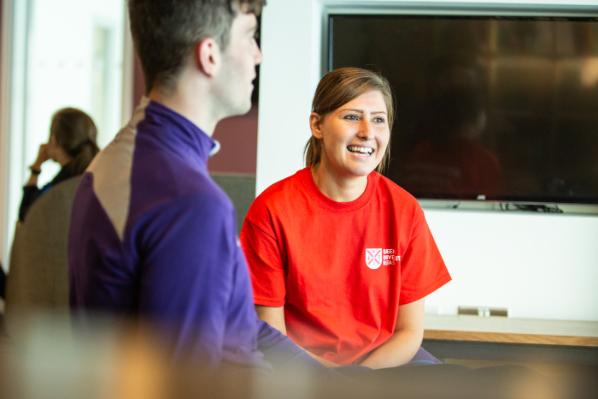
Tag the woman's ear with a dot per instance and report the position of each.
(315, 124)
(207, 56)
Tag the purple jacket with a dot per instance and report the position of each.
(152, 236)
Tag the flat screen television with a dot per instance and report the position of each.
(501, 108)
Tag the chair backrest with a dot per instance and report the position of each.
(38, 269)
(241, 190)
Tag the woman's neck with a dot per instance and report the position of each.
(337, 188)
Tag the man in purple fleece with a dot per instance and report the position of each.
(152, 236)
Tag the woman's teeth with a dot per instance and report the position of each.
(360, 149)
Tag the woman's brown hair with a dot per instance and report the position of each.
(337, 88)
(76, 133)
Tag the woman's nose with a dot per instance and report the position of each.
(365, 129)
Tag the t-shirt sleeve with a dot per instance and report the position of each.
(422, 269)
(264, 257)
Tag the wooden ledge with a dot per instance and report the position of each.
(512, 331)
(510, 338)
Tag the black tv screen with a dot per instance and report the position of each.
(496, 108)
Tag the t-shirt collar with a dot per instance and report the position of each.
(330, 204)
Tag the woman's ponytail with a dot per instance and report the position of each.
(75, 133)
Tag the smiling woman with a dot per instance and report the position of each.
(353, 139)
(341, 257)
(352, 114)
(341, 89)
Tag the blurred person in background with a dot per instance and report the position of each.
(72, 144)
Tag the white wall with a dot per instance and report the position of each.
(539, 266)
(291, 37)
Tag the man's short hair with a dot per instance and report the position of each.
(166, 31)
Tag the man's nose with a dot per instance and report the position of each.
(258, 55)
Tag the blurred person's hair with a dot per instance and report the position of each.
(76, 133)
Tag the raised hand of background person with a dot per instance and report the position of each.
(36, 167)
(42, 156)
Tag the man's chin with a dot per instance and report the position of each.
(241, 109)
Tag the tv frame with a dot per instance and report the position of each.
(504, 8)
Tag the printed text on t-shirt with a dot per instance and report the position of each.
(376, 257)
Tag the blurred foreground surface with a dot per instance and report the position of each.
(45, 357)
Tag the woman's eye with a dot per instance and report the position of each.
(351, 117)
(379, 119)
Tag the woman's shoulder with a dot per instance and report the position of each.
(404, 203)
(288, 186)
(280, 195)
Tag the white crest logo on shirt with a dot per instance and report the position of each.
(373, 258)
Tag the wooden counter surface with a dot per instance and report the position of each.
(510, 330)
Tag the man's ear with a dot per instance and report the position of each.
(207, 56)
(315, 124)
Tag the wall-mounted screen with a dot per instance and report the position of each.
(497, 108)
